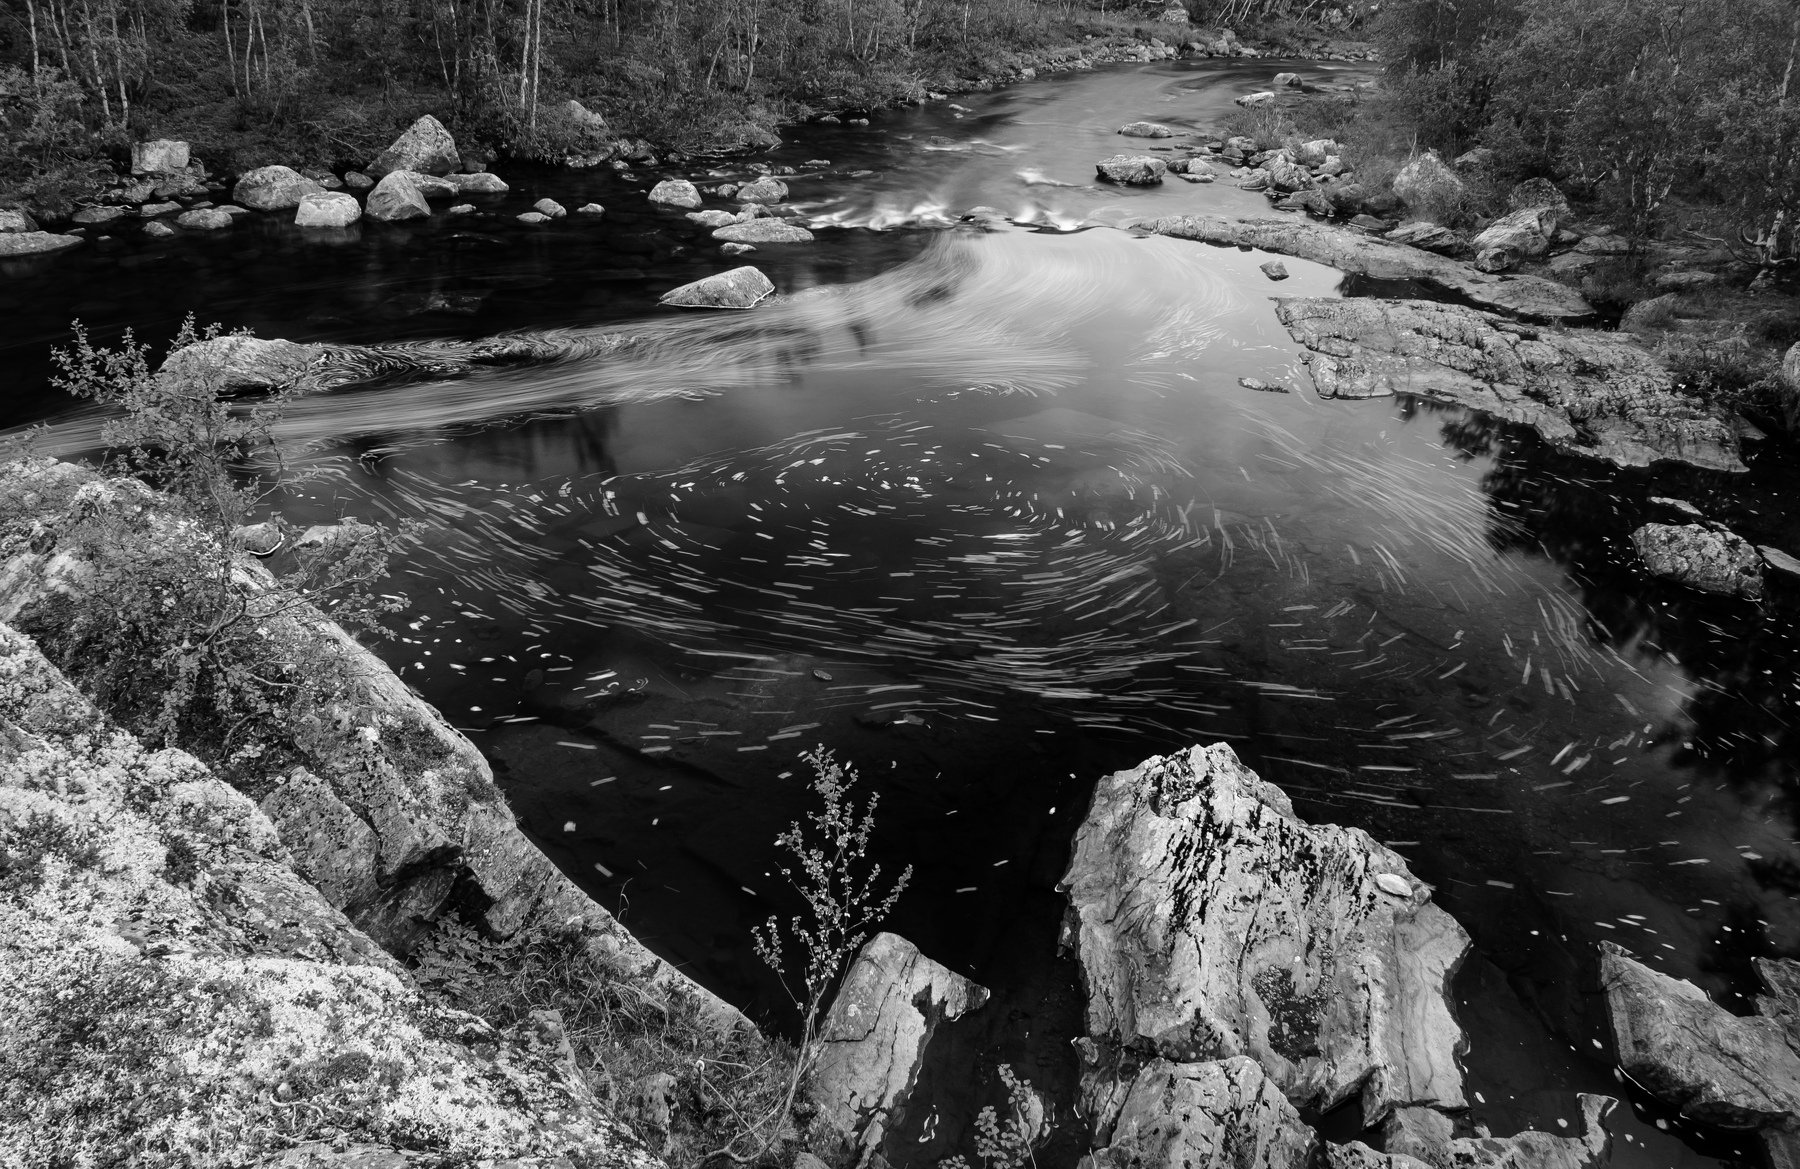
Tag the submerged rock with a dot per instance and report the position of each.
(1588, 393)
(1681, 1047)
(1212, 922)
(873, 1039)
(425, 147)
(1702, 557)
(1352, 251)
(273, 188)
(1132, 170)
(763, 231)
(739, 288)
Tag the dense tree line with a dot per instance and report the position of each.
(1641, 103)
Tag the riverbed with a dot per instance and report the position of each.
(984, 510)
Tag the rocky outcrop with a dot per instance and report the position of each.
(1355, 252)
(1681, 1047)
(1132, 170)
(174, 994)
(397, 197)
(1515, 237)
(1701, 556)
(1588, 393)
(763, 231)
(329, 209)
(676, 193)
(739, 288)
(1789, 381)
(273, 188)
(238, 362)
(160, 157)
(405, 814)
(872, 1041)
(1212, 922)
(1423, 1138)
(1193, 1115)
(425, 147)
(32, 243)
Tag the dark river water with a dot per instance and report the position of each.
(986, 513)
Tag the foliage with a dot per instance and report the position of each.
(620, 1034)
(1006, 1145)
(180, 633)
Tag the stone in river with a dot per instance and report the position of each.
(1146, 130)
(1132, 170)
(763, 190)
(1274, 270)
(397, 197)
(763, 231)
(29, 243)
(550, 207)
(205, 219)
(676, 193)
(737, 249)
(712, 219)
(590, 209)
(93, 215)
(330, 209)
(425, 147)
(533, 217)
(479, 183)
(273, 188)
(739, 288)
(152, 210)
(1212, 922)
(13, 222)
(160, 157)
(462, 209)
(156, 229)
(1702, 557)
(357, 181)
(238, 362)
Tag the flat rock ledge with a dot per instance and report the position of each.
(1241, 965)
(1352, 251)
(873, 1040)
(1600, 395)
(175, 994)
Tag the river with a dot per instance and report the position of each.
(985, 512)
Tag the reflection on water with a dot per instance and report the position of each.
(995, 517)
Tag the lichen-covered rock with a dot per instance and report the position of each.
(1146, 130)
(479, 183)
(1132, 170)
(874, 1037)
(1224, 1114)
(159, 157)
(1426, 182)
(1702, 557)
(676, 193)
(204, 219)
(273, 188)
(1351, 251)
(239, 362)
(739, 288)
(1212, 922)
(174, 995)
(397, 197)
(1588, 393)
(425, 146)
(763, 231)
(329, 209)
(1681, 1047)
(1514, 237)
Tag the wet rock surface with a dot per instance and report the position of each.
(1701, 556)
(242, 362)
(1358, 253)
(1588, 393)
(31, 243)
(739, 288)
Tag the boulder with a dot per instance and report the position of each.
(156, 229)
(330, 209)
(31, 243)
(425, 147)
(355, 180)
(152, 210)
(1513, 237)
(676, 193)
(763, 231)
(1648, 315)
(532, 217)
(273, 188)
(739, 288)
(585, 119)
(1211, 922)
(737, 249)
(1274, 270)
(264, 539)
(479, 183)
(550, 208)
(763, 190)
(1430, 236)
(89, 216)
(1788, 379)
(1590, 393)
(1702, 557)
(873, 1039)
(1423, 1138)
(397, 197)
(1146, 130)
(1315, 153)
(1287, 81)
(1478, 159)
(1287, 176)
(1538, 193)
(1353, 251)
(1192, 1115)
(1256, 101)
(590, 209)
(1426, 183)
(1603, 245)
(205, 219)
(431, 186)
(1132, 170)
(160, 157)
(1687, 1051)
(239, 362)
(13, 222)
(712, 219)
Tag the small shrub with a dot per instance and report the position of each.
(1006, 1144)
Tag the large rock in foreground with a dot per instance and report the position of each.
(739, 288)
(1588, 393)
(238, 362)
(397, 197)
(1197, 1115)
(1681, 1047)
(273, 188)
(1702, 557)
(32, 243)
(330, 209)
(175, 995)
(1351, 251)
(874, 1038)
(425, 147)
(1212, 922)
(1132, 170)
